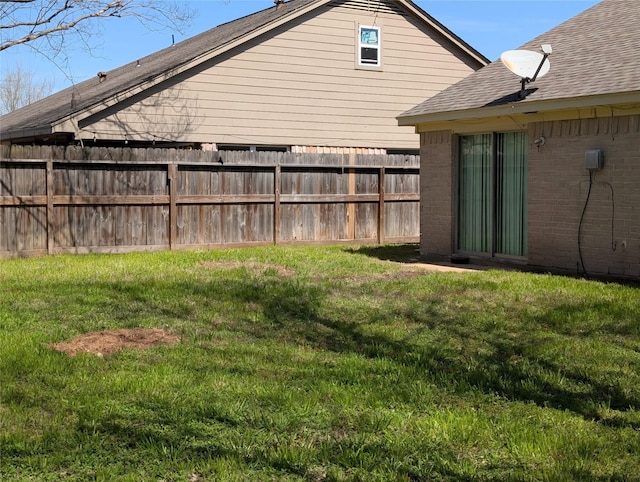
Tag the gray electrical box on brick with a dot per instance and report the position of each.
(593, 159)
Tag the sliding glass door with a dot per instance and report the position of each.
(492, 194)
(475, 187)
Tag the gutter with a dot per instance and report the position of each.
(37, 131)
(571, 103)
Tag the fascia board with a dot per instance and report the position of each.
(434, 24)
(141, 87)
(247, 37)
(26, 132)
(626, 98)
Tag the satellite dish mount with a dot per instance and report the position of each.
(528, 65)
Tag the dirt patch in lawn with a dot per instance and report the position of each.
(111, 341)
(411, 270)
(253, 266)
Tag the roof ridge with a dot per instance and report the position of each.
(594, 54)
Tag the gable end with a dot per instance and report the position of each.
(372, 6)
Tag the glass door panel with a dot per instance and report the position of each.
(492, 193)
(475, 186)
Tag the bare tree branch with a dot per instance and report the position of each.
(26, 21)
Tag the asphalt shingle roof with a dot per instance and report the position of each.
(48, 111)
(594, 53)
(39, 117)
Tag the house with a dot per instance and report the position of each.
(302, 75)
(549, 179)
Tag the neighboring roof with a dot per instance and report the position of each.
(48, 111)
(595, 54)
(40, 117)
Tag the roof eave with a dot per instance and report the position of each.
(569, 104)
(445, 32)
(284, 18)
(164, 76)
(27, 132)
(233, 43)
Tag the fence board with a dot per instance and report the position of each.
(74, 199)
(365, 229)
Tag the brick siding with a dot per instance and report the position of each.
(558, 183)
(437, 201)
(558, 188)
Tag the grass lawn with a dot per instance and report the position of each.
(316, 364)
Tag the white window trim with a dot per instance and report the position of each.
(360, 45)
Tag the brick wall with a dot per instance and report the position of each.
(437, 193)
(558, 184)
(558, 188)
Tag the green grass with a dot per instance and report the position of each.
(316, 364)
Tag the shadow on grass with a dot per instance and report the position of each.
(494, 361)
(446, 349)
(410, 253)
(400, 253)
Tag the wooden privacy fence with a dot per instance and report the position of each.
(84, 200)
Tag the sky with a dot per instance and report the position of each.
(489, 26)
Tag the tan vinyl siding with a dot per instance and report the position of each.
(301, 86)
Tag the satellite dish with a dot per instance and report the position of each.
(524, 63)
(527, 64)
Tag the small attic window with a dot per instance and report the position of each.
(369, 46)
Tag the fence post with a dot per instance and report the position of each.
(277, 180)
(172, 174)
(50, 224)
(381, 205)
(351, 207)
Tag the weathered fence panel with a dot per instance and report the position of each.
(82, 200)
(23, 213)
